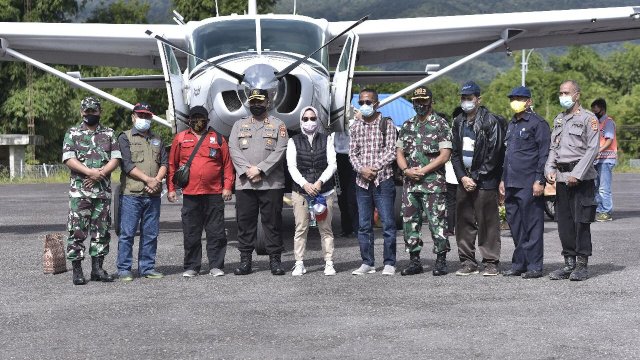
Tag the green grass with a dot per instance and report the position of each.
(59, 178)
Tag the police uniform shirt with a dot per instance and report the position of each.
(574, 139)
(527, 148)
(259, 143)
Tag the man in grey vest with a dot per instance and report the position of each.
(144, 165)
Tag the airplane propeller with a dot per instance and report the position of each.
(235, 75)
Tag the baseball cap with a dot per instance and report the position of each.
(470, 88)
(90, 103)
(258, 94)
(198, 110)
(421, 92)
(142, 108)
(520, 91)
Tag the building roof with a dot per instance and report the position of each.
(400, 110)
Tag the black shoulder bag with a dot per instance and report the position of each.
(181, 176)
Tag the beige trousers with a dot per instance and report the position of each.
(301, 215)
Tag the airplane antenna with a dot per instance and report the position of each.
(233, 74)
(178, 18)
(288, 69)
(217, 12)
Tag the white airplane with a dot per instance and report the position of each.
(290, 55)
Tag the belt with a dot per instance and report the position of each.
(566, 167)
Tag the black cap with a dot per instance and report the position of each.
(421, 92)
(142, 108)
(198, 110)
(470, 88)
(258, 94)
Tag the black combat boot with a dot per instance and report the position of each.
(78, 275)
(441, 265)
(97, 273)
(245, 265)
(415, 267)
(563, 273)
(580, 273)
(275, 264)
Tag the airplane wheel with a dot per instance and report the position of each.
(550, 206)
(115, 208)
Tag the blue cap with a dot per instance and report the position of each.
(520, 91)
(470, 88)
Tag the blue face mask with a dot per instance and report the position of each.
(366, 110)
(566, 102)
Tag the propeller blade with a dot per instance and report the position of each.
(289, 68)
(233, 74)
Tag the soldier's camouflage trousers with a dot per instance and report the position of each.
(414, 204)
(88, 217)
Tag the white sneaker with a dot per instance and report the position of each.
(389, 270)
(216, 272)
(364, 269)
(298, 269)
(190, 274)
(328, 268)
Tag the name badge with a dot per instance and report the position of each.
(212, 153)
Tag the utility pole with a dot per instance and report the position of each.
(31, 126)
(525, 65)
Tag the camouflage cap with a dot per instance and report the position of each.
(90, 103)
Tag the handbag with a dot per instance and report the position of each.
(54, 259)
(181, 176)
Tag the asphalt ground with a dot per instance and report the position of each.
(261, 316)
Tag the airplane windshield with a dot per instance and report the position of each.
(224, 37)
(293, 36)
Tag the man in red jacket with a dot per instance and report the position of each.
(211, 179)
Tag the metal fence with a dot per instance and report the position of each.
(23, 171)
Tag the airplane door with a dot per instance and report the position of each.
(341, 84)
(178, 110)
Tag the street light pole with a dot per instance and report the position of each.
(525, 65)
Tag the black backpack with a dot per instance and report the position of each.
(397, 174)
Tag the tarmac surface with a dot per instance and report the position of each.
(261, 316)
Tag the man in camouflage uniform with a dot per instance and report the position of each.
(91, 152)
(423, 147)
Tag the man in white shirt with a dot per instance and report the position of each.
(311, 159)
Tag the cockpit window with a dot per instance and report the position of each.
(224, 37)
(298, 37)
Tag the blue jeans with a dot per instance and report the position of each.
(383, 197)
(145, 211)
(603, 188)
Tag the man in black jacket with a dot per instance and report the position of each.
(477, 157)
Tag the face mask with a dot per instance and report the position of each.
(198, 125)
(566, 102)
(142, 124)
(599, 115)
(310, 127)
(91, 119)
(257, 110)
(366, 110)
(467, 106)
(422, 110)
(518, 106)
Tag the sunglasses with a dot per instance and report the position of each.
(368, 102)
(305, 119)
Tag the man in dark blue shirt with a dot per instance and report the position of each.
(523, 181)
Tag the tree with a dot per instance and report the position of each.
(202, 9)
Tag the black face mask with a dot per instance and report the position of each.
(599, 115)
(91, 119)
(257, 110)
(422, 109)
(197, 125)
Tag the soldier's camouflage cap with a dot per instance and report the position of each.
(258, 94)
(90, 103)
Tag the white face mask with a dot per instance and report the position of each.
(366, 110)
(309, 127)
(142, 124)
(566, 101)
(467, 106)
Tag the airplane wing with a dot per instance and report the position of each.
(121, 45)
(391, 40)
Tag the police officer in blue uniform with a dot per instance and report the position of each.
(527, 148)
